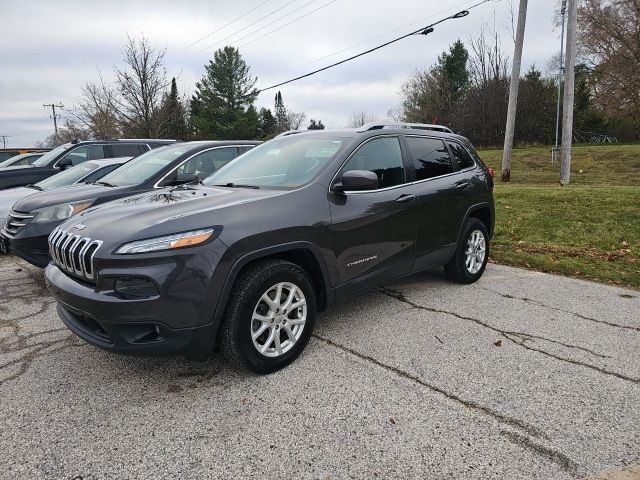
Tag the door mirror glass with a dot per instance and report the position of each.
(65, 162)
(356, 180)
(184, 178)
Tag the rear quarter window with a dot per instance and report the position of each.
(461, 157)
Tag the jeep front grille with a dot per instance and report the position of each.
(15, 222)
(73, 253)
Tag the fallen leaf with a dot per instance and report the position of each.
(498, 343)
(625, 243)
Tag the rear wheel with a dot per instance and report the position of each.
(270, 316)
(470, 259)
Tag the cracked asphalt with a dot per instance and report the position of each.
(521, 375)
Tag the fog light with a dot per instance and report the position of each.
(135, 287)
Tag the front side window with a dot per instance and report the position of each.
(381, 156)
(84, 153)
(45, 159)
(145, 166)
(461, 156)
(287, 162)
(430, 157)
(205, 163)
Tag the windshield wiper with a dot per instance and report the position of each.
(237, 185)
(106, 184)
(34, 186)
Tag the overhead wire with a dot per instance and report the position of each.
(223, 27)
(213, 45)
(422, 31)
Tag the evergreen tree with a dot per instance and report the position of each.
(222, 107)
(267, 126)
(172, 115)
(280, 113)
(315, 126)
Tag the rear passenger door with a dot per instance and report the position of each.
(373, 232)
(438, 189)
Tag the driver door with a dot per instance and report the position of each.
(374, 232)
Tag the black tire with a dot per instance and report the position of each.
(456, 269)
(236, 343)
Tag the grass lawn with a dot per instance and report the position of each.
(588, 229)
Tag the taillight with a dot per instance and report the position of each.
(492, 172)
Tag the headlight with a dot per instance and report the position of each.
(169, 242)
(59, 212)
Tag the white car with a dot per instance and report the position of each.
(86, 172)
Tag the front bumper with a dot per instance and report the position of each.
(34, 250)
(124, 326)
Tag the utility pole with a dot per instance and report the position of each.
(4, 140)
(569, 83)
(556, 147)
(513, 93)
(54, 116)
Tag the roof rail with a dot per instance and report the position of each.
(289, 132)
(398, 125)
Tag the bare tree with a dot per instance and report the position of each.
(295, 119)
(97, 109)
(609, 34)
(357, 119)
(72, 130)
(141, 85)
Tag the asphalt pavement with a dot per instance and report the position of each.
(522, 375)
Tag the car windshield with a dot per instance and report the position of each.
(145, 166)
(286, 162)
(68, 176)
(47, 157)
(10, 161)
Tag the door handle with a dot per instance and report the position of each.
(462, 184)
(407, 197)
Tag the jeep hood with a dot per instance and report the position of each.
(164, 212)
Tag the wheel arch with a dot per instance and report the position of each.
(304, 254)
(482, 211)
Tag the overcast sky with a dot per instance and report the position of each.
(50, 49)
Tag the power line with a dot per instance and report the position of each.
(224, 26)
(380, 35)
(288, 23)
(259, 28)
(421, 31)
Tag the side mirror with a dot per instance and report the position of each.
(184, 178)
(357, 180)
(64, 163)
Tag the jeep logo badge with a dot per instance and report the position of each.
(80, 226)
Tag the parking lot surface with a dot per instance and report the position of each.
(521, 375)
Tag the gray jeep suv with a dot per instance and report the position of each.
(247, 259)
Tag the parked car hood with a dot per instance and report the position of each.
(10, 196)
(164, 212)
(72, 193)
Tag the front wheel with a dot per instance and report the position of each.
(270, 316)
(470, 259)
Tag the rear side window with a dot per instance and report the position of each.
(381, 156)
(461, 156)
(430, 157)
(126, 150)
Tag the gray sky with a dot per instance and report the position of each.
(51, 48)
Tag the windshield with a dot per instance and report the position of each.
(47, 157)
(145, 166)
(287, 162)
(68, 176)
